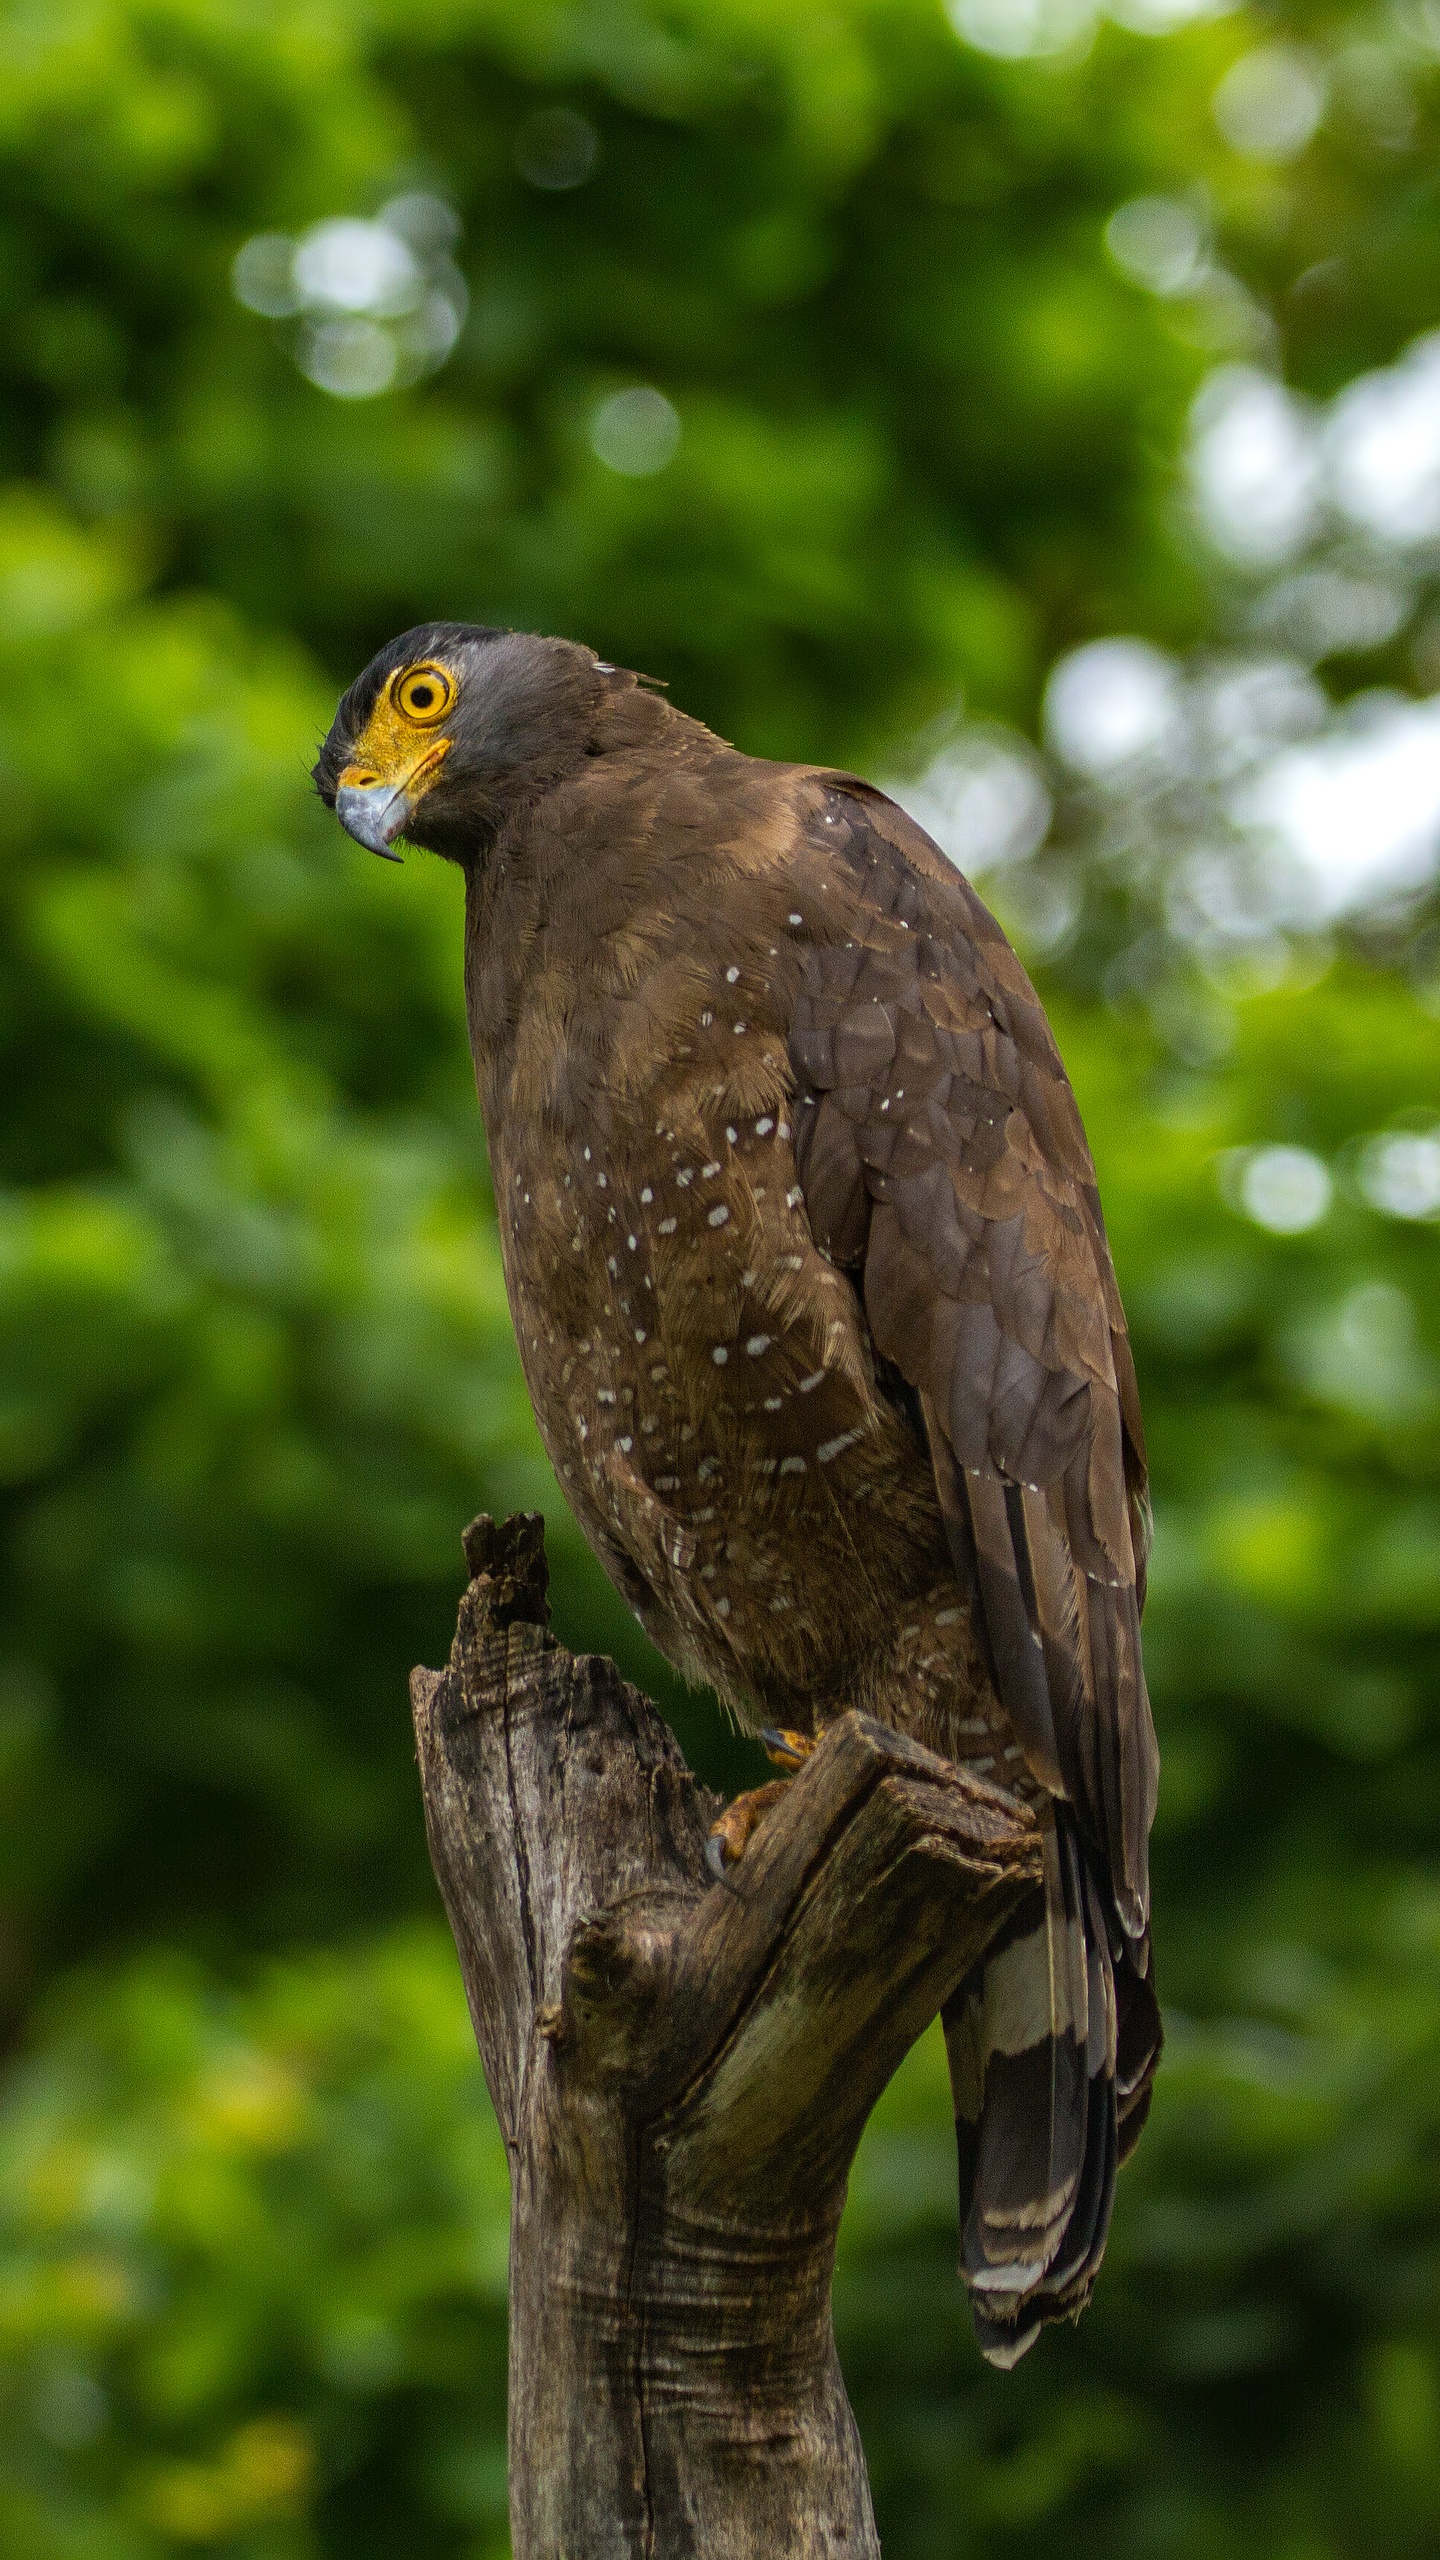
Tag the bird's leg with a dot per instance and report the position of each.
(730, 1838)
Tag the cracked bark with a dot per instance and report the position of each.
(682, 2072)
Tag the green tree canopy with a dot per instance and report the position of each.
(837, 368)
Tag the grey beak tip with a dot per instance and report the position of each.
(373, 813)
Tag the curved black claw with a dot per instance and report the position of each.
(715, 1858)
(786, 1748)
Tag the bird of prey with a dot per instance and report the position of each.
(815, 1305)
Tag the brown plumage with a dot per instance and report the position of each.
(813, 1297)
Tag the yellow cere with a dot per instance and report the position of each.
(391, 748)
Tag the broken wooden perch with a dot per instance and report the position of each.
(682, 2071)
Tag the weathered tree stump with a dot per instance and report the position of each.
(682, 2071)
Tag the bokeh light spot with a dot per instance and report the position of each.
(353, 359)
(1270, 102)
(1159, 243)
(1359, 808)
(1254, 464)
(635, 432)
(1111, 704)
(1285, 1189)
(555, 149)
(356, 266)
(263, 275)
(1017, 30)
(1383, 443)
(1399, 1173)
(379, 303)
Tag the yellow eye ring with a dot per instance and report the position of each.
(424, 694)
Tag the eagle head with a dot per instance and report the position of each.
(449, 726)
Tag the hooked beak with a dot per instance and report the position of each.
(375, 808)
(374, 813)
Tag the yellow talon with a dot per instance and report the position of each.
(731, 1835)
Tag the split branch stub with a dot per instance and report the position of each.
(682, 2071)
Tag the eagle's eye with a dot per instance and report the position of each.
(424, 694)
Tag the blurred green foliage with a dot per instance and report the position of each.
(253, 2260)
(255, 1365)
(862, 260)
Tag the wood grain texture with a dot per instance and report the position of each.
(682, 2071)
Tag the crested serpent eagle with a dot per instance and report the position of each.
(815, 1305)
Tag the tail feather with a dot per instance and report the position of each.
(1077, 2261)
(1052, 2044)
(1026, 2021)
(1139, 2037)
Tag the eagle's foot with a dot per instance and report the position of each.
(788, 1749)
(731, 1835)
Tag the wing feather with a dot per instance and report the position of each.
(943, 1161)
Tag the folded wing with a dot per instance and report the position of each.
(944, 1162)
